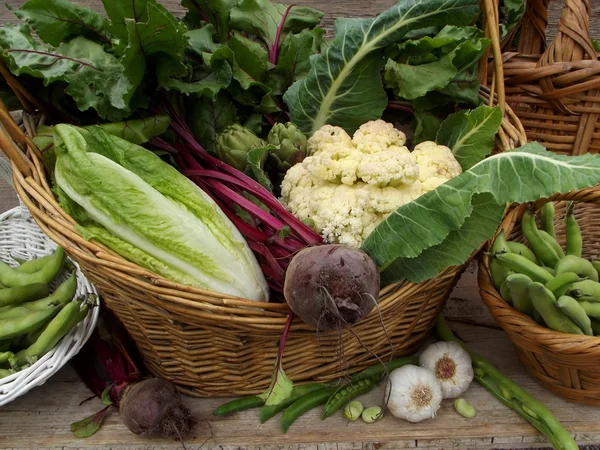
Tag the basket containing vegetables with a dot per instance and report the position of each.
(197, 191)
(48, 309)
(540, 281)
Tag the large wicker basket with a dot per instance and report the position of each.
(555, 91)
(211, 344)
(566, 364)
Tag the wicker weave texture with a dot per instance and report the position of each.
(566, 364)
(555, 91)
(21, 237)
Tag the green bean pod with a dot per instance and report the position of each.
(553, 242)
(560, 283)
(573, 233)
(580, 266)
(346, 393)
(11, 277)
(499, 272)
(596, 265)
(547, 214)
(303, 405)
(267, 412)
(545, 303)
(20, 294)
(518, 284)
(576, 313)
(505, 292)
(33, 265)
(239, 404)
(523, 250)
(56, 329)
(542, 249)
(10, 328)
(63, 294)
(12, 312)
(520, 264)
(379, 370)
(512, 395)
(6, 373)
(6, 357)
(585, 290)
(550, 270)
(5, 345)
(591, 309)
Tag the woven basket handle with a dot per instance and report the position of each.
(572, 43)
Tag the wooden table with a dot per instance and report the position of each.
(41, 418)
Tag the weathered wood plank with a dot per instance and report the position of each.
(41, 418)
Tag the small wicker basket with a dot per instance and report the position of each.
(212, 344)
(565, 364)
(555, 91)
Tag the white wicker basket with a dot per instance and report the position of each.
(21, 237)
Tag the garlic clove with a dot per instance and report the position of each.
(451, 365)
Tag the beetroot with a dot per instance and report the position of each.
(331, 286)
(153, 407)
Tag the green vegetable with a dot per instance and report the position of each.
(234, 144)
(544, 251)
(353, 410)
(520, 264)
(464, 408)
(560, 283)
(155, 216)
(592, 309)
(576, 313)
(505, 292)
(343, 86)
(595, 326)
(523, 250)
(547, 217)
(545, 303)
(23, 293)
(346, 393)
(513, 396)
(10, 328)
(239, 404)
(580, 266)
(290, 146)
(304, 404)
(379, 370)
(588, 290)
(596, 265)
(573, 232)
(267, 412)
(32, 265)
(61, 295)
(553, 243)
(372, 414)
(498, 271)
(518, 285)
(443, 227)
(12, 278)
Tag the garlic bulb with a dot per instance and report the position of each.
(413, 393)
(451, 365)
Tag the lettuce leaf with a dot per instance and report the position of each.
(455, 215)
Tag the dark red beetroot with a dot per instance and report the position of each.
(331, 286)
(153, 407)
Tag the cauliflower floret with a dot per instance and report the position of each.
(377, 135)
(324, 137)
(347, 191)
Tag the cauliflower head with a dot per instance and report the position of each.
(349, 185)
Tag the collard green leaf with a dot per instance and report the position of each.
(256, 162)
(455, 249)
(470, 134)
(512, 10)
(521, 175)
(56, 21)
(263, 19)
(214, 12)
(207, 118)
(411, 82)
(251, 60)
(344, 87)
(427, 126)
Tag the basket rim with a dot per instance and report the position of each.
(38, 373)
(495, 303)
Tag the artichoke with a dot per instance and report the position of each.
(290, 143)
(234, 144)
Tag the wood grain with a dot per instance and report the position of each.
(41, 419)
